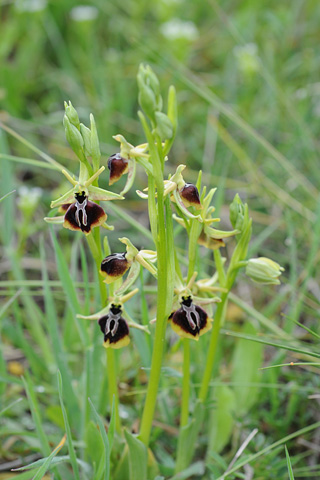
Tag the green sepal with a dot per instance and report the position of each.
(130, 177)
(97, 193)
(131, 278)
(219, 234)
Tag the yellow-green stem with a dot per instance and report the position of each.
(184, 415)
(218, 321)
(158, 347)
(95, 248)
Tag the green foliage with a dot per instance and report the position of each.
(248, 118)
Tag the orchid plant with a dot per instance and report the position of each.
(193, 306)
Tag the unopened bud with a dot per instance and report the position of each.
(237, 210)
(72, 114)
(86, 135)
(164, 126)
(263, 270)
(73, 135)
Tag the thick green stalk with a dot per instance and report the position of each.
(218, 321)
(158, 347)
(184, 415)
(95, 248)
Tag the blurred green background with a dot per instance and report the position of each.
(247, 80)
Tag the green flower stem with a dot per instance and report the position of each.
(184, 415)
(96, 251)
(158, 347)
(218, 322)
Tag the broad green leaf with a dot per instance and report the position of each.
(246, 361)
(187, 438)
(222, 418)
(138, 457)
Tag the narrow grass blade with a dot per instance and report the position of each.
(35, 412)
(29, 161)
(72, 452)
(104, 439)
(268, 449)
(43, 155)
(7, 194)
(273, 344)
(69, 289)
(9, 302)
(290, 471)
(52, 322)
(42, 470)
(5, 409)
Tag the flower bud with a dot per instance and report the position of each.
(164, 126)
(118, 166)
(149, 91)
(86, 135)
(73, 135)
(114, 266)
(72, 115)
(237, 210)
(263, 270)
(190, 196)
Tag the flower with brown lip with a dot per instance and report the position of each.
(112, 324)
(118, 166)
(190, 196)
(114, 266)
(114, 328)
(82, 214)
(190, 320)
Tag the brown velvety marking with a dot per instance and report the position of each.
(115, 265)
(113, 326)
(63, 208)
(117, 166)
(95, 216)
(190, 195)
(179, 317)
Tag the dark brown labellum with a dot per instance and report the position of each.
(117, 166)
(114, 328)
(84, 215)
(190, 320)
(190, 195)
(115, 265)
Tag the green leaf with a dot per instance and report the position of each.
(138, 457)
(72, 453)
(42, 470)
(194, 469)
(187, 438)
(222, 418)
(290, 471)
(246, 361)
(69, 289)
(105, 440)
(35, 411)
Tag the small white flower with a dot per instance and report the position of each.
(84, 13)
(31, 5)
(176, 28)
